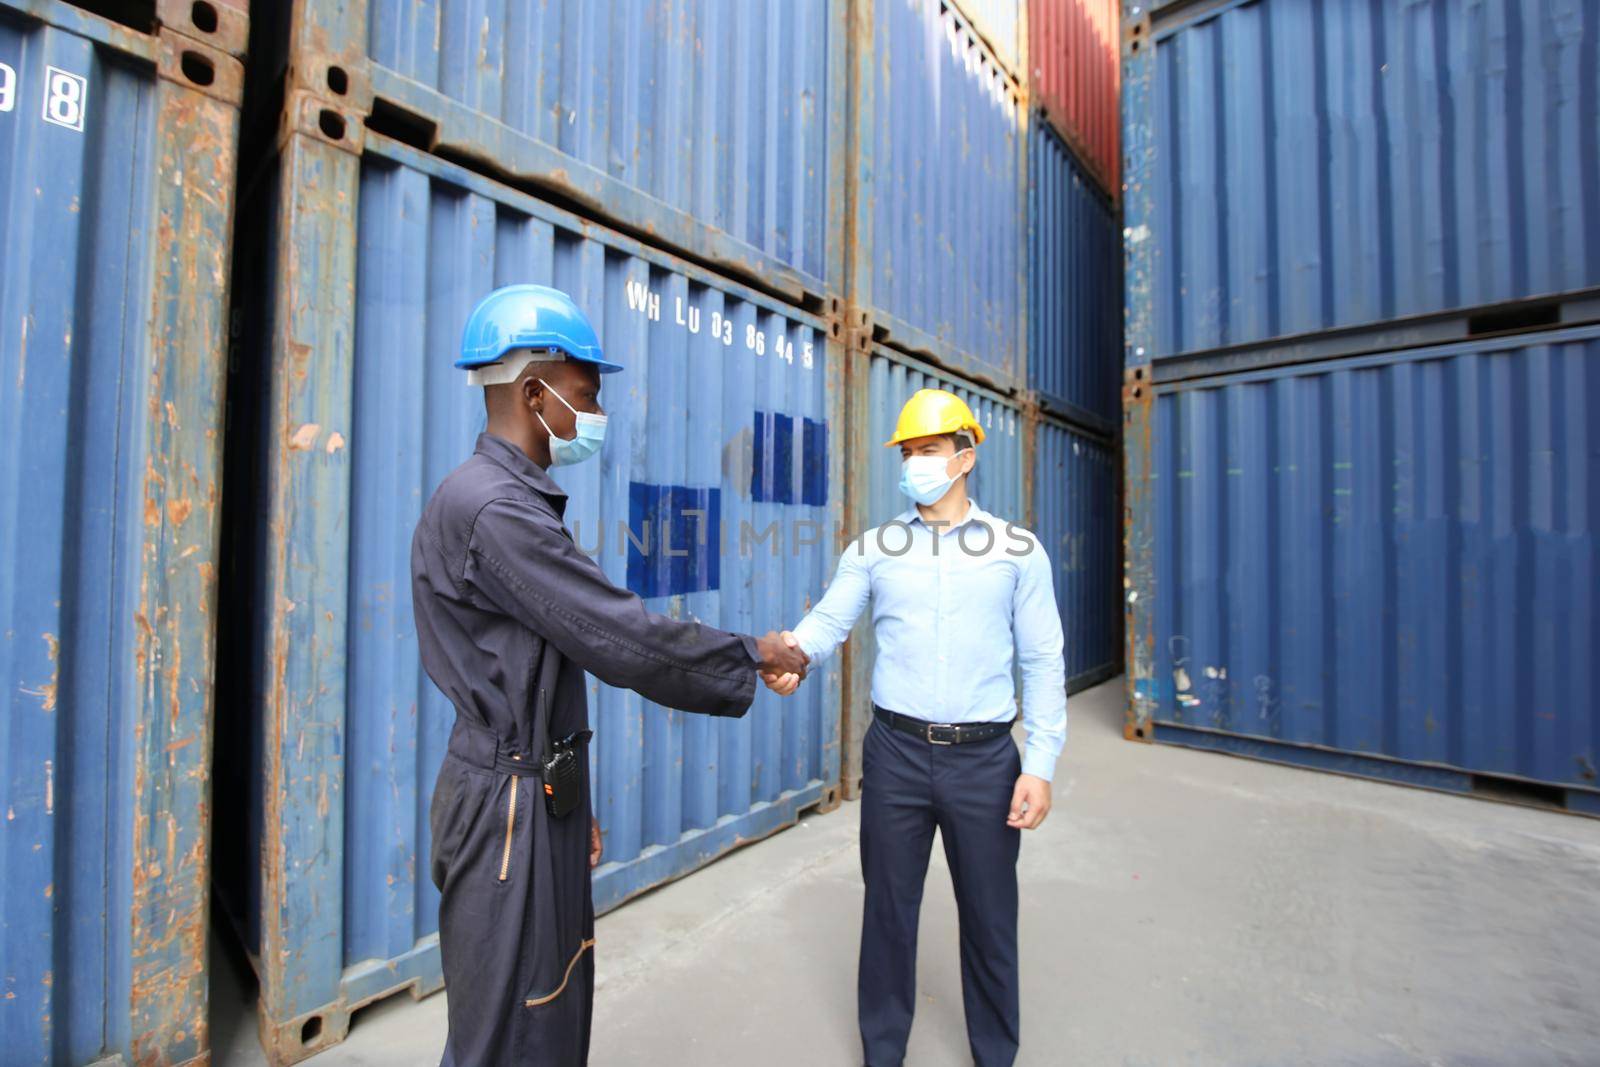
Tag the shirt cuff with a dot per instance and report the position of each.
(802, 634)
(1038, 763)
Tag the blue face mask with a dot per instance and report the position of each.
(925, 479)
(591, 434)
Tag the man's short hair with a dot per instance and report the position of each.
(964, 440)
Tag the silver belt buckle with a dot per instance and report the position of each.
(932, 726)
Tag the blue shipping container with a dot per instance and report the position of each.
(1384, 565)
(116, 204)
(720, 459)
(709, 125)
(1296, 167)
(939, 192)
(996, 483)
(1076, 519)
(1074, 286)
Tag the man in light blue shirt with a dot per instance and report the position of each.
(954, 590)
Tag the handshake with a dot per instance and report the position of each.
(783, 664)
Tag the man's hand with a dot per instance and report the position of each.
(1030, 803)
(781, 656)
(785, 684)
(594, 843)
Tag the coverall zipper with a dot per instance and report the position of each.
(511, 825)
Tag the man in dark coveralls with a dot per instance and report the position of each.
(510, 614)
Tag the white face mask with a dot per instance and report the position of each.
(926, 479)
(591, 434)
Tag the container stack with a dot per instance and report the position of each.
(783, 217)
(1075, 333)
(1075, 319)
(1362, 389)
(117, 151)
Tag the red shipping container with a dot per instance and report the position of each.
(1073, 48)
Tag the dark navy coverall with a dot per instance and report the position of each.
(510, 614)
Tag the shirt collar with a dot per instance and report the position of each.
(974, 514)
(527, 471)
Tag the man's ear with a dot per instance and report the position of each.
(532, 392)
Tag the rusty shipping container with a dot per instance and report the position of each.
(881, 380)
(1379, 565)
(1311, 180)
(712, 128)
(371, 254)
(117, 154)
(1362, 251)
(1075, 78)
(937, 184)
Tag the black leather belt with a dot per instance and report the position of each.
(938, 733)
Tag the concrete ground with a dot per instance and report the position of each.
(1179, 907)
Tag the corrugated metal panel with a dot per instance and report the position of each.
(1072, 53)
(997, 484)
(724, 408)
(940, 193)
(115, 209)
(718, 110)
(1000, 24)
(1388, 557)
(1313, 166)
(1075, 286)
(1075, 518)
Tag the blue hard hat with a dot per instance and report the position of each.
(529, 316)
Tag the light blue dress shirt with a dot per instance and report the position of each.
(950, 611)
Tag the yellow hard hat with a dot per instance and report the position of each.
(930, 412)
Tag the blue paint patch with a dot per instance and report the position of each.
(681, 530)
(814, 464)
(772, 467)
(772, 461)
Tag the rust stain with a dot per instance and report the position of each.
(175, 667)
(1138, 404)
(208, 582)
(335, 442)
(47, 692)
(179, 510)
(182, 742)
